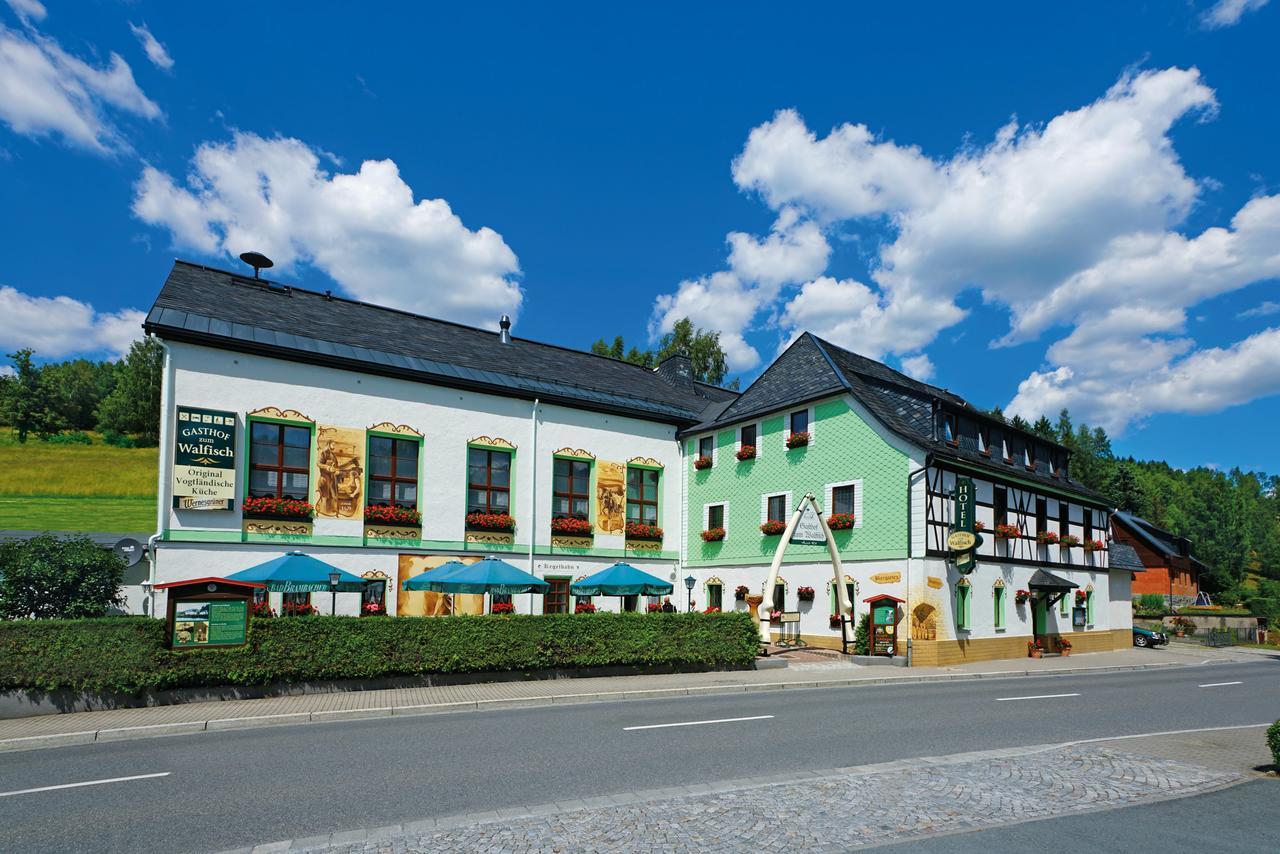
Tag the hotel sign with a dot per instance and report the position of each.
(204, 459)
(963, 541)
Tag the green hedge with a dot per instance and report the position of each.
(1273, 742)
(127, 654)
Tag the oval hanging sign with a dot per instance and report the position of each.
(960, 541)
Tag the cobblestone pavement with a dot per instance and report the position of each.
(830, 811)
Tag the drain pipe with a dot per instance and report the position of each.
(162, 478)
(533, 488)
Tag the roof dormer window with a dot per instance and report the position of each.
(984, 440)
(950, 428)
(1029, 456)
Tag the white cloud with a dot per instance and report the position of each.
(363, 229)
(28, 10)
(1263, 309)
(45, 91)
(919, 367)
(155, 51)
(61, 326)
(1069, 225)
(1227, 13)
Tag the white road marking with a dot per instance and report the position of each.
(86, 783)
(1220, 684)
(1035, 697)
(700, 723)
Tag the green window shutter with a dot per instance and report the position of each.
(999, 607)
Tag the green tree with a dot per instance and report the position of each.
(997, 412)
(48, 578)
(27, 404)
(1019, 423)
(76, 388)
(133, 406)
(1123, 489)
(1044, 429)
(615, 350)
(703, 348)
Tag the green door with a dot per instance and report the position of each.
(1039, 616)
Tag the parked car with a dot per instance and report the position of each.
(1148, 638)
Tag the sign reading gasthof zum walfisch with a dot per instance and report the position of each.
(204, 459)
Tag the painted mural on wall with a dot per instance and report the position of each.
(422, 603)
(339, 472)
(611, 497)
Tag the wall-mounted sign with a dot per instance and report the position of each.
(887, 577)
(211, 622)
(204, 459)
(962, 540)
(809, 529)
(1079, 617)
(934, 582)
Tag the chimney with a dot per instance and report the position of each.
(504, 327)
(677, 369)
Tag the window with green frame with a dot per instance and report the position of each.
(393, 471)
(571, 489)
(642, 495)
(1064, 607)
(715, 596)
(488, 480)
(850, 588)
(997, 601)
(279, 460)
(962, 605)
(1088, 607)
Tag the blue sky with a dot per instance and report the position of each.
(1035, 208)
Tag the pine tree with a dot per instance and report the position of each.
(27, 403)
(133, 407)
(1044, 429)
(1123, 489)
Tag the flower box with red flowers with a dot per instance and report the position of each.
(979, 526)
(805, 594)
(712, 610)
(291, 509)
(1047, 538)
(1082, 596)
(569, 526)
(740, 592)
(584, 608)
(835, 621)
(1093, 545)
(713, 535)
(1008, 532)
(491, 522)
(773, 528)
(840, 521)
(641, 531)
(373, 609)
(298, 609)
(262, 609)
(393, 514)
(746, 452)
(502, 608)
(703, 462)
(1067, 541)
(1022, 596)
(797, 440)
(775, 616)
(654, 607)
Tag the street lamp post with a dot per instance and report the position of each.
(333, 590)
(689, 581)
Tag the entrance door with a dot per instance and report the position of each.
(1039, 616)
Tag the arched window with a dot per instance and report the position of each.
(962, 604)
(997, 603)
(715, 593)
(850, 586)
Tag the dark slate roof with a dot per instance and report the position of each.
(1048, 581)
(1124, 556)
(1158, 539)
(813, 368)
(221, 309)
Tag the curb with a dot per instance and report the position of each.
(294, 718)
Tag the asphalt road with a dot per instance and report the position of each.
(238, 788)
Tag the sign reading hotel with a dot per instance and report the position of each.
(962, 541)
(204, 459)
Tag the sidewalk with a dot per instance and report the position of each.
(119, 724)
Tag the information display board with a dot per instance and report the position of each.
(210, 622)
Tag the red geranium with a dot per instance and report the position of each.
(571, 527)
(740, 592)
(703, 462)
(1093, 545)
(713, 535)
(840, 521)
(773, 528)
(491, 522)
(797, 440)
(654, 607)
(805, 594)
(502, 608)
(373, 609)
(392, 514)
(298, 609)
(584, 608)
(712, 610)
(746, 452)
(1047, 538)
(641, 531)
(262, 609)
(1008, 532)
(293, 508)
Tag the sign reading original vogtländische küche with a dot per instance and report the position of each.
(204, 459)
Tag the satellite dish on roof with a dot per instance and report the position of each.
(257, 261)
(128, 550)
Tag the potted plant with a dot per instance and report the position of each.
(298, 609)
(1035, 648)
(1093, 545)
(502, 608)
(979, 527)
(703, 462)
(393, 514)
(1047, 538)
(713, 535)
(773, 528)
(373, 609)
(262, 609)
(775, 616)
(1022, 596)
(1008, 532)
(835, 621)
(740, 592)
(797, 440)
(584, 608)
(1067, 541)
(641, 531)
(746, 452)
(478, 521)
(840, 521)
(805, 594)
(277, 508)
(570, 526)
(1064, 646)
(1082, 596)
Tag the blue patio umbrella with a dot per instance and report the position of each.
(485, 576)
(621, 579)
(420, 581)
(295, 572)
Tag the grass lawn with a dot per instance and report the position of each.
(76, 487)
